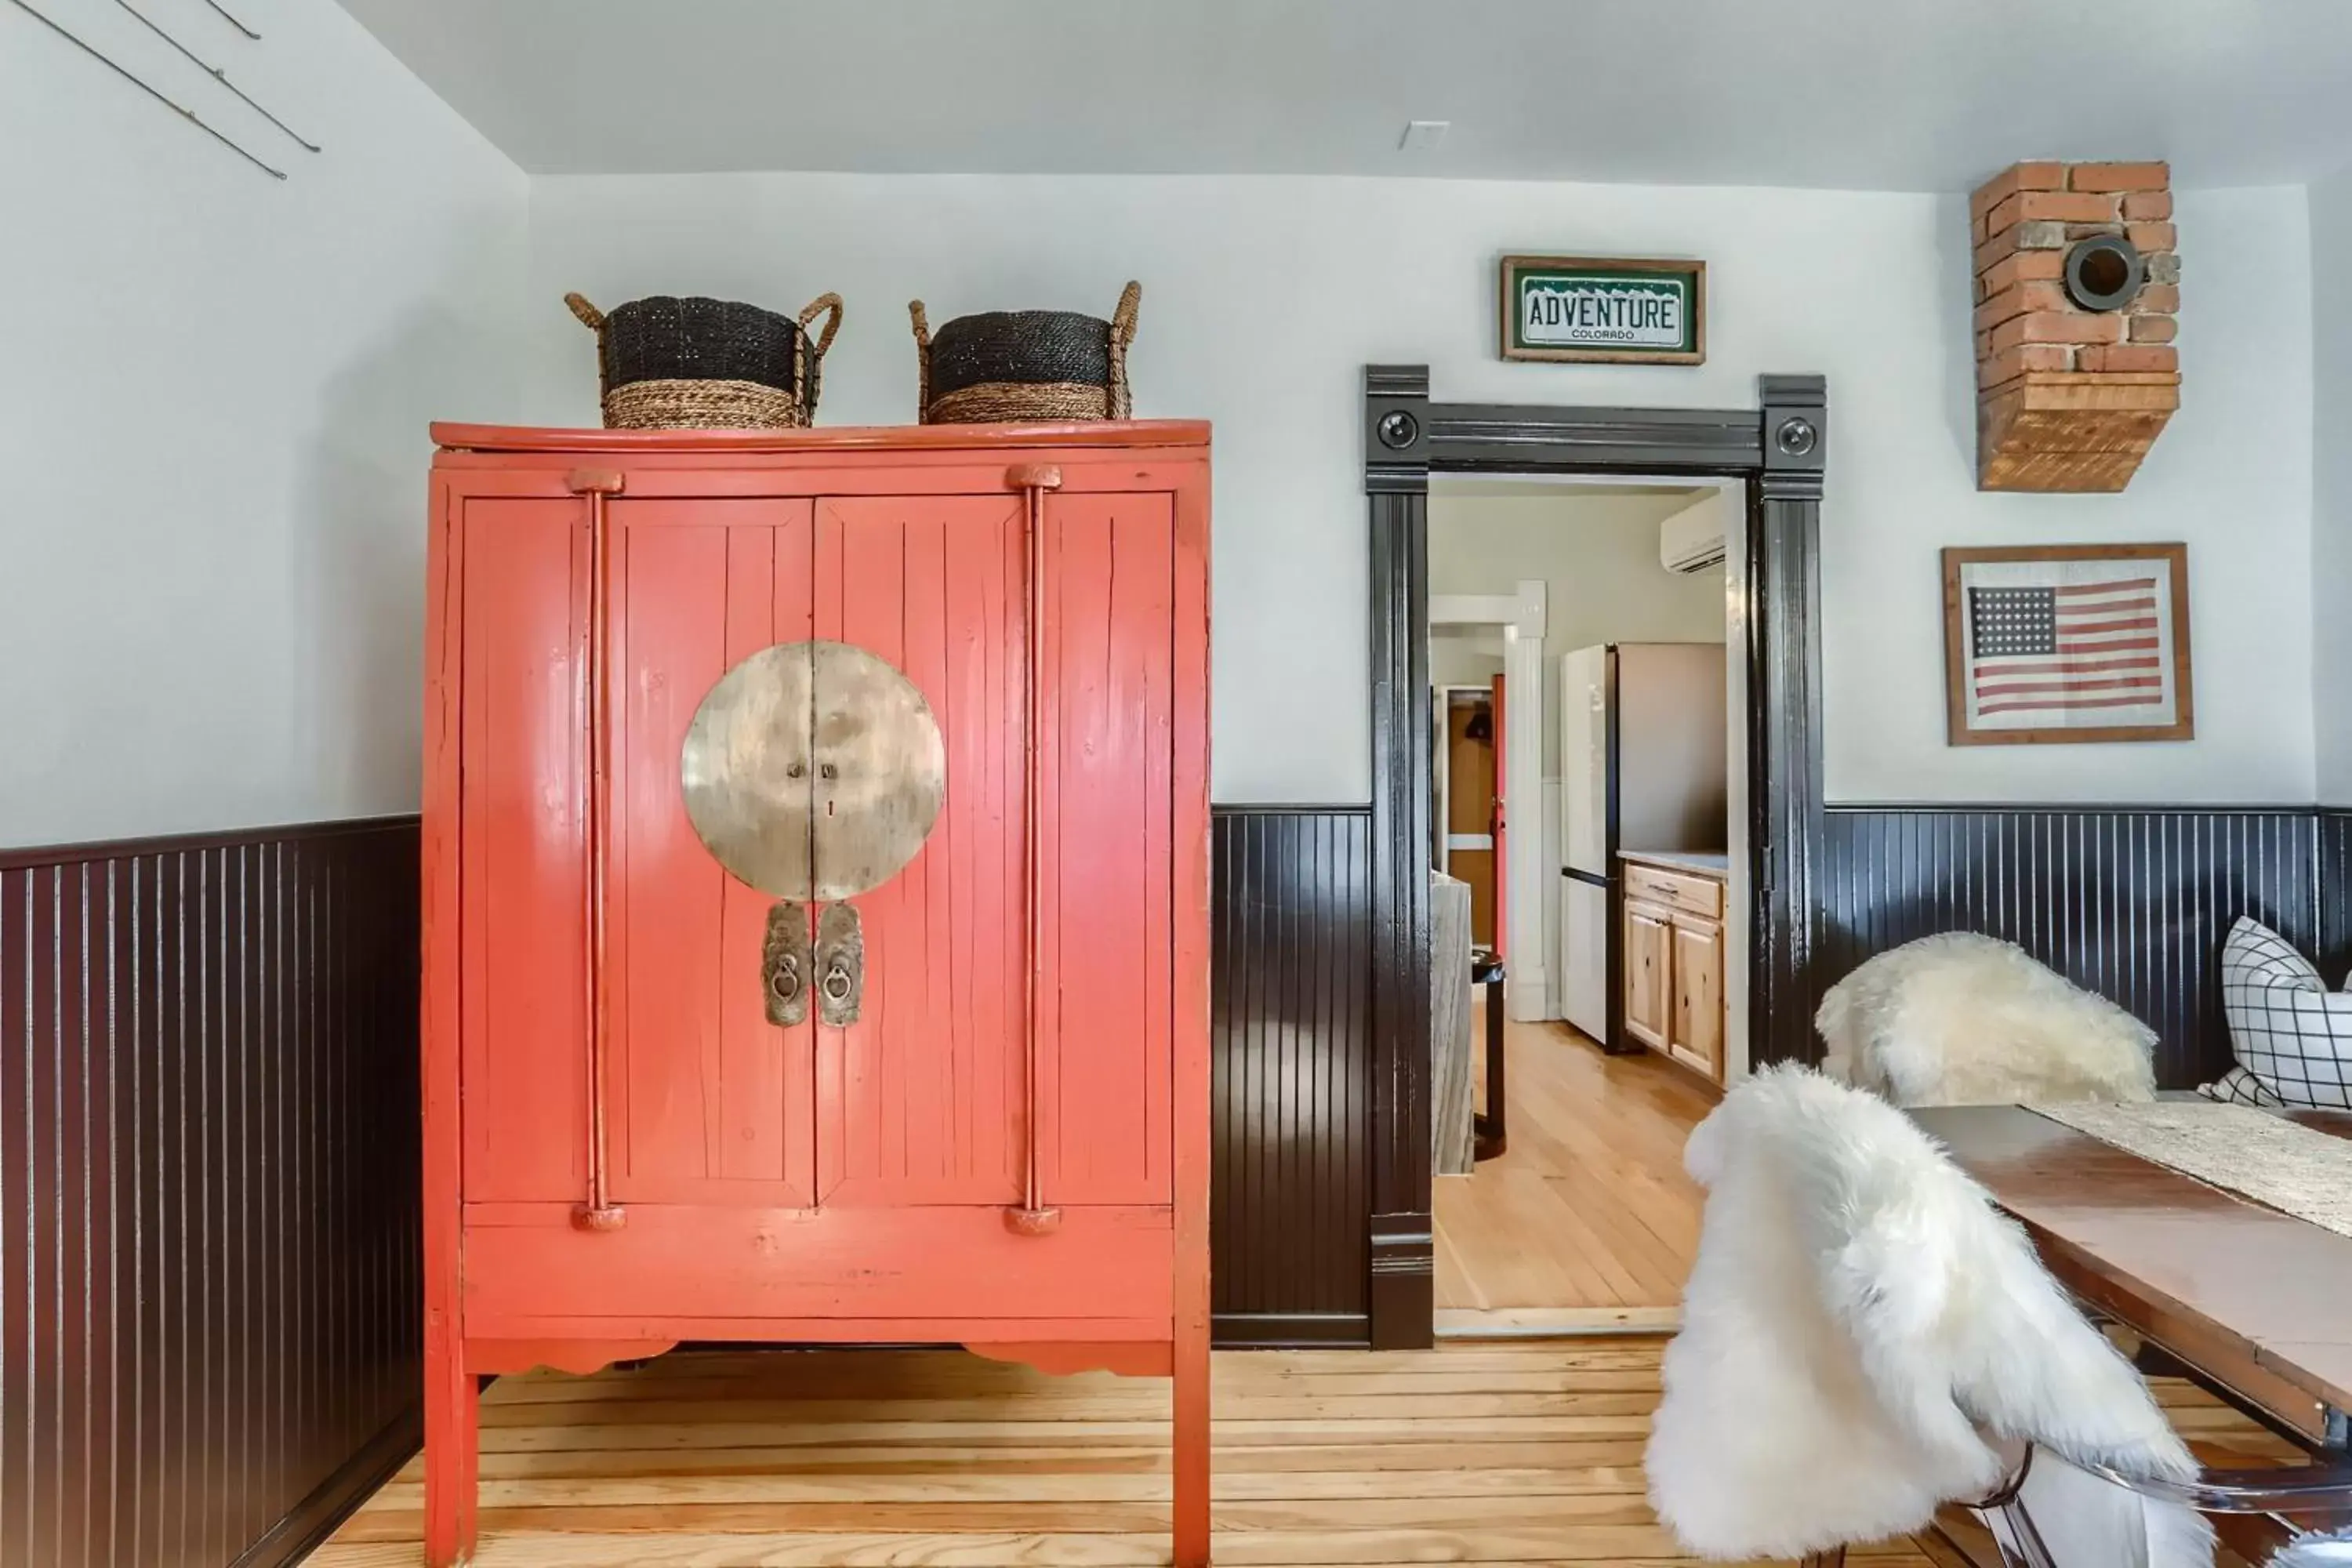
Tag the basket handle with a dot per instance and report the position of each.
(1122, 332)
(593, 319)
(1122, 321)
(821, 304)
(922, 360)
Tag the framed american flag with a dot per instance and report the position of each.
(2067, 643)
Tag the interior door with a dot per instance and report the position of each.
(1470, 808)
(1499, 832)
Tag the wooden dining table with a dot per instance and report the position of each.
(2254, 1299)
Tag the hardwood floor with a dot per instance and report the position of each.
(1465, 1454)
(1589, 1216)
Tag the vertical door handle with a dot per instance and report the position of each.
(840, 966)
(1033, 1215)
(600, 1212)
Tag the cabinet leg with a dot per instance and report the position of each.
(452, 1447)
(1191, 1446)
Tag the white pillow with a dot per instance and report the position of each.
(2290, 1033)
(2239, 1087)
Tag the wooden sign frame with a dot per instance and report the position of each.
(1956, 688)
(1689, 275)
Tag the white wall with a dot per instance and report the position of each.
(2331, 555)
(1264, 298)
(1597, 556)
(213, 417)
(1464, 655)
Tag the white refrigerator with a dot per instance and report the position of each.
(1643, 764)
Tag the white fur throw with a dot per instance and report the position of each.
(1962, 1020)
(1861, 1326)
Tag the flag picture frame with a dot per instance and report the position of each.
(2067, 645)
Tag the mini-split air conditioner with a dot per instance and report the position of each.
(1691, 540)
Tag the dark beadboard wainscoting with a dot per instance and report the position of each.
(208, 1191)
(209, 1305)
(2130, 901)
(2335, 892)
(1291, 1043)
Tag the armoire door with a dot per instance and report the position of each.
(1106, 976)
(522, 605)
(921, 1100)
(708, 1101)
(932, 1096)
(916, 1085)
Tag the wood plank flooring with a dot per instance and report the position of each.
(1494, 1454)
(1588, 1213)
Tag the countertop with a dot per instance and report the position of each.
(1698, 862)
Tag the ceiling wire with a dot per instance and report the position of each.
(217, 73)
(185, 113)
(233, 22)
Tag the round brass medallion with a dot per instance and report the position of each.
(813, 771)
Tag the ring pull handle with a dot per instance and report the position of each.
(785, 963)
(841, 959)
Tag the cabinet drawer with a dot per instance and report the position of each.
(1692, 895)
(525, 1271)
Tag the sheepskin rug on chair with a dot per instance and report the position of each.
(1864, 1336)
(1962, 1020)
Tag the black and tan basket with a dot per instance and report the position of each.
(667, 363)
(1010, 367)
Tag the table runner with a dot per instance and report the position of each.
(2296, 1170)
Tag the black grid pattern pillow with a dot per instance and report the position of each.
(2239, 1087)
(2292, 1032)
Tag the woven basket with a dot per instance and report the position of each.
(1013, 366)
(667, 363)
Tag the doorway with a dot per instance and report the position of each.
(1571, 1059)
(1771, 459)
(1466, 773)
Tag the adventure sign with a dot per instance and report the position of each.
(1576, 308)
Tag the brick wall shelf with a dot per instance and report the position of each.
(2070, 398)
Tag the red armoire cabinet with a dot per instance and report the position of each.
(816, 905)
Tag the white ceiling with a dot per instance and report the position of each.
(1862, 94)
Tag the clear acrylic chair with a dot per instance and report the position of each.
(1865, 1338)
(2314, 1496)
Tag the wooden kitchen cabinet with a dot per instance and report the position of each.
(816, 906)
(1649, 967)
(1673, 966)
(1695, 1020)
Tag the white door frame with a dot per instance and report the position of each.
(1520, 616)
